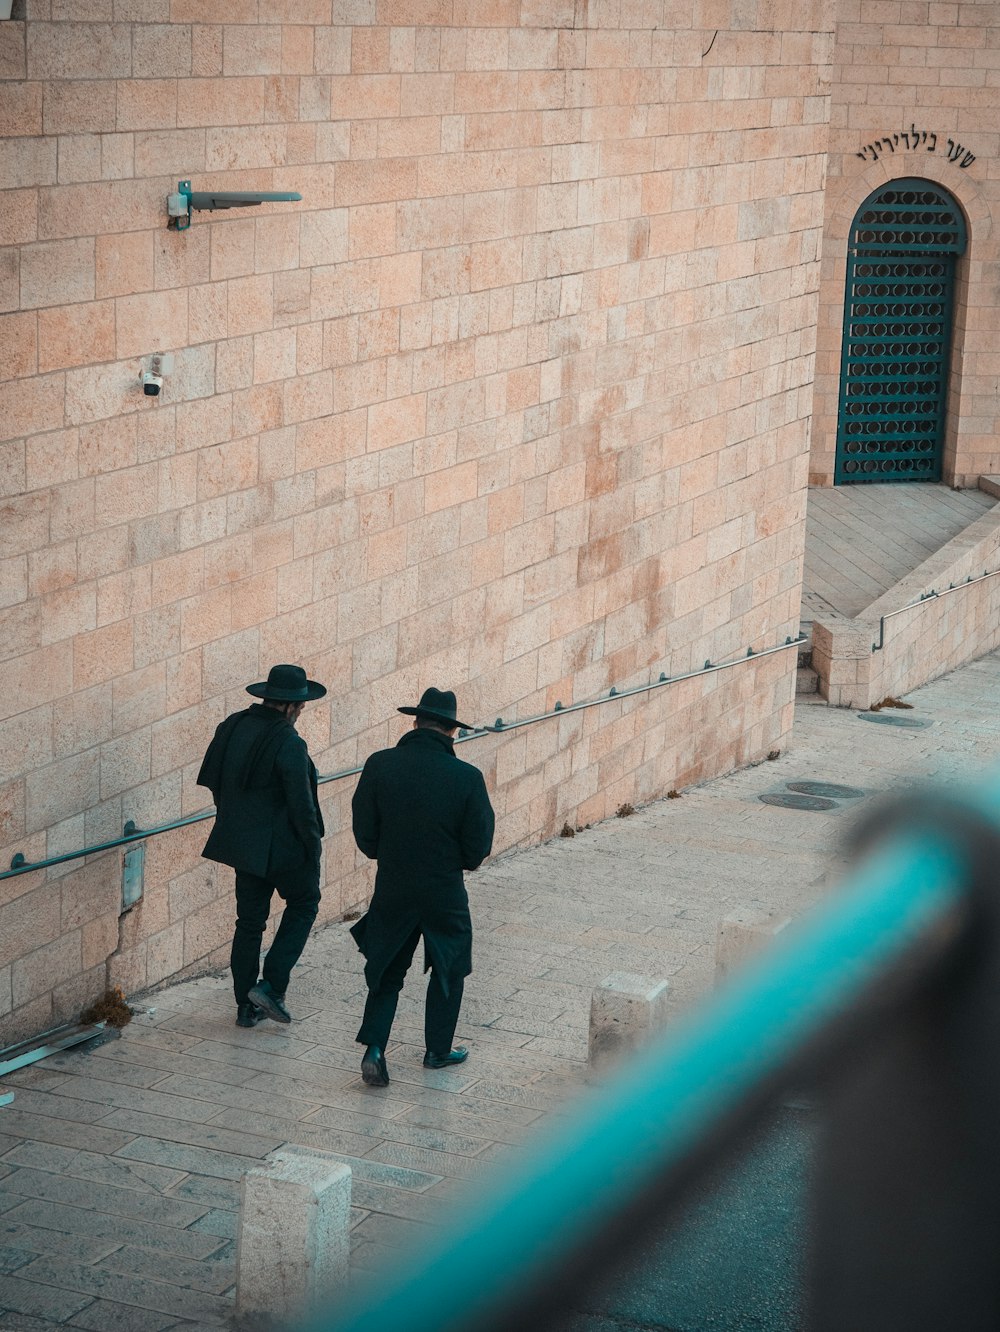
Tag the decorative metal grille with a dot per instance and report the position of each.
(897, 334)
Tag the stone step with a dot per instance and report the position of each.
(806, 681)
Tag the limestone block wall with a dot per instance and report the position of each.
(515, 401)
(926, 78)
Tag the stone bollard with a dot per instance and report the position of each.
(741, 936)
(293, 1248)
(625, 1010)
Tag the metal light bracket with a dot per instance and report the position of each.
(181, 205)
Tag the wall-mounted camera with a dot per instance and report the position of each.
(152, 379)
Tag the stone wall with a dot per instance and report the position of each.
(903, 65)
(515, 401)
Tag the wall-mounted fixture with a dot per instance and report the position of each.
(152, 379)
(181, 205)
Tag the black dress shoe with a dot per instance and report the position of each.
(248, 1015)
(269, 1003)
(373, 1070)
(457, 1056)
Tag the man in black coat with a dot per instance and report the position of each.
(268, 826)
(425, 816)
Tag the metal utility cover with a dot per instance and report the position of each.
(795, 801)
(894, 719)
(133, 864)
(830, 789)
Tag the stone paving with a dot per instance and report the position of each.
(120, 1165)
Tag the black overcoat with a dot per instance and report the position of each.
(425, 816)
(263, 781)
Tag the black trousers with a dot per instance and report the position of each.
(440, 1010)
(299, 889)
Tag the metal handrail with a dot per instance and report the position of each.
(131, 833)
(924, 597)
(629, 1156)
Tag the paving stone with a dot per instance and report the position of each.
(238, 1097)
(368, 1130)
(448, 1119)
(75, 1109)
(55, 1300)
(330, 1138)
(218, 1222)
(397, 1202)
(103, 1316)
(160, 1296)
(101, 1197)
(170, 1063)
(12, 1259)
(106, 1094)
(194, 1134)
(195, 1160)
(107, 1070)
(379, 1172)
(210, 1275)
(213, 1193)
(31, 1239)
(90, 1165)
(15, 1322)
(122, 1230)
(422, 1158)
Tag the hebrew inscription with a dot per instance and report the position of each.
(913, 140)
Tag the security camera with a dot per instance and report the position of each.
(151, 384)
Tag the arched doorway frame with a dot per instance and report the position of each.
(843, 202)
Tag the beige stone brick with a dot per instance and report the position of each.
(13, 58)
(19, 217)
(44, 968)
(151, 322)
(89, 892)
(98, 940)
(276, 243)
(183, 737)
(20, 109)
(57, 272)
(24, 523)
(28, 162)
(229, 101)
(67, 612)
(79, 50)
(205, 617)
(232, 248)
(18, 345)
(227, 467)
(76, 335)
(124, 595)
(251, 305)
(126, 495)
(14, 580)
(28, 922)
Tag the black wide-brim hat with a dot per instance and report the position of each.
(438, 705)
(287, 684)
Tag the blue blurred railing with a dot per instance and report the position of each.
(887, 1000)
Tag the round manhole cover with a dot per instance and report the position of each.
(799, 801)
(830, 789)
(895, 719)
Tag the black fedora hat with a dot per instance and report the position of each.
(287, 684)
(437, 705)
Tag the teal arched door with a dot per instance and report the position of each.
(904, 244)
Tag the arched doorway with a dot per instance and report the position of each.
(904, 244)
